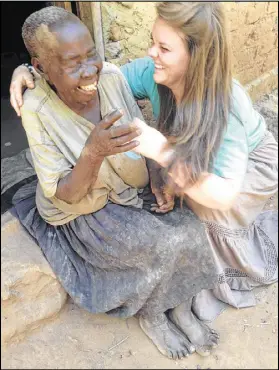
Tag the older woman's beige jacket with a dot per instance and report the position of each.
(56, 137)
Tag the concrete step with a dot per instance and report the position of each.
(30, 292)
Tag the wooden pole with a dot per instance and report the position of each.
(63, 4)
(68, 6)
(97, 28)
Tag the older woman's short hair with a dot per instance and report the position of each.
(43, 20)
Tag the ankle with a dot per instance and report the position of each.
(183, 308)
(155, 320)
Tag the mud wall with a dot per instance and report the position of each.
(253, 32)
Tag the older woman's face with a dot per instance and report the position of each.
(170, 55)
(75, 65)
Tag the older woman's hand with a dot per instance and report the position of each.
(21, 79)
(164, 197)
(106, 139)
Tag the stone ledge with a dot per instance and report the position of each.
(263, 84)
(30, 292)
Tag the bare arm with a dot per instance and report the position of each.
(215, 192)
(77, 184)
(21, 79)
(210, 190)
(103, 141)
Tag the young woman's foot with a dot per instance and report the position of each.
(166, 337)
(200, 335)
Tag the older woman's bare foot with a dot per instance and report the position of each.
(166, 337)
(200, 335)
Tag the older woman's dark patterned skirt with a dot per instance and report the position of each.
(123, 260)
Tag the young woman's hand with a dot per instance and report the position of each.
(21, 79)
(151, 142)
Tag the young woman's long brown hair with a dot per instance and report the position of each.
(199, 121)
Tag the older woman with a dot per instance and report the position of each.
(91, 215)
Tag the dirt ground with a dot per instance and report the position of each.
(79, 340)
(76, 339)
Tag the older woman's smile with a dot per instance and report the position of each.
(88, 88)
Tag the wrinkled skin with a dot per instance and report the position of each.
(107, 139)
(164, 196)
(200, 335)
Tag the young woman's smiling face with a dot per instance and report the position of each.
(170, 55)
(75, 65)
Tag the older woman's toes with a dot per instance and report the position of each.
(203, 351)
(169, 354)
(201, 336)
(214, 340)
(213, 331)
(164, 334)
(180, 354)
(189, 347)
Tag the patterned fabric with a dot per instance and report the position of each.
(244, 240)
(124, 260)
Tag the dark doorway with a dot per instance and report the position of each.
(13, 53)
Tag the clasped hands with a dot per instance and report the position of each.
(109, 139)
(154, 146)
